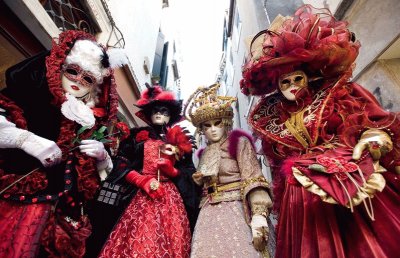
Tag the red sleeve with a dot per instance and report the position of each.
(360, 111)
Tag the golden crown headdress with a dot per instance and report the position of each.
(205, 104)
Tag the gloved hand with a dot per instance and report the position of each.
(147, 183)
(259, 230)
(46, 151)
(95, 149)
(166, 167)
(376, 141)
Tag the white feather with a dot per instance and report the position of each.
(117, 57)
(87, 54)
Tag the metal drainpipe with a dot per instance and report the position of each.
(250, 105)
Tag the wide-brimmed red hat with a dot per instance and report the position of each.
(312, 41)
(156, 96)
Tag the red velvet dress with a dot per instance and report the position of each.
(307, 226)
(151, 227)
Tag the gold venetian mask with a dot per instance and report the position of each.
(291, 83)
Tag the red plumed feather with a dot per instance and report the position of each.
(155, 93)
(148, 95)
(151, 92)
(177, 137)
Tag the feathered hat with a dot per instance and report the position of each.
(312, 40)
(156, 96)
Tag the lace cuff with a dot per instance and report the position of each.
(259, 209)
(256, 199)
(105, 166)
(22, 138)
(12, 137)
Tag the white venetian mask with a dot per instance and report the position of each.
(214, 130)
(78, 82)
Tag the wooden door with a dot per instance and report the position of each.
(16, 41)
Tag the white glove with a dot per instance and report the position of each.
(259, 230)
(46, 151)
(95, 149)
(4, 122)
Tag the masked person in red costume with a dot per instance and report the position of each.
(156, 223)
(332, 149)
(46, 176)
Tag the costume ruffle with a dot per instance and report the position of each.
(313, 40)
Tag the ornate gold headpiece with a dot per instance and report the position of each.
(204, 105)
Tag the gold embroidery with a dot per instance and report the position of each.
(221, 193)
(254, 180)
(222, 196)
(274, 130)
(259, 209)
(295, 124)
(214, 188)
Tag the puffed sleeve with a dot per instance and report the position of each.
(256, 199)
(369, 115)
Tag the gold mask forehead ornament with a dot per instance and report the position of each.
(205, 104)
(297, 78)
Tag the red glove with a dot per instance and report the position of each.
(147, 183)
(167, 168)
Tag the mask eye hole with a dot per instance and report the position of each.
(88, 79)
(298, 78)
(217, 123)
(160, 110)
(285, 81)
(164, 111)
(207, 125)
(71, 71)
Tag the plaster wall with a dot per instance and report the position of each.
(139, 21)
(127, 98)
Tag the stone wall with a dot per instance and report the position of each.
(382, 79)
(376, 25)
